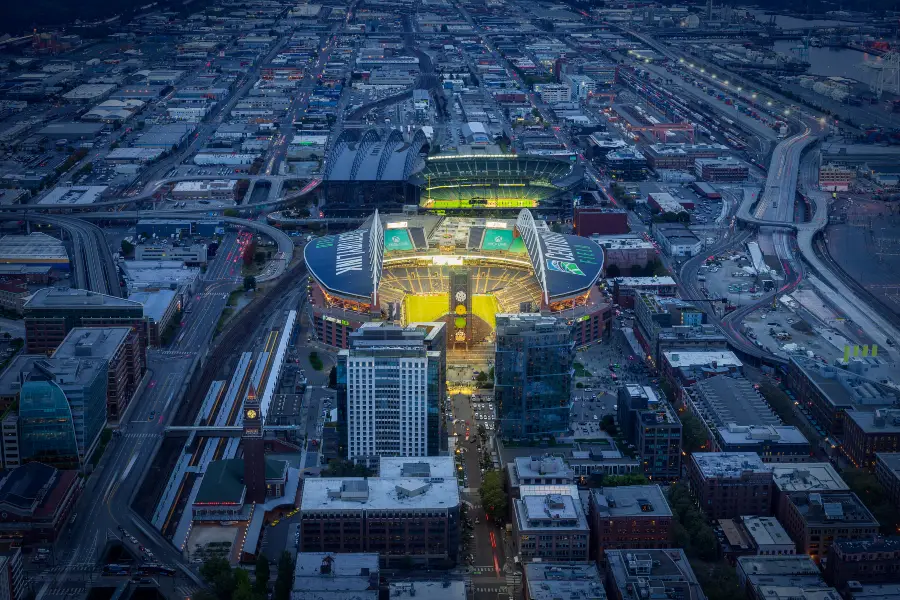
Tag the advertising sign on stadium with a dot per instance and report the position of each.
(397, 225)
(495, 224)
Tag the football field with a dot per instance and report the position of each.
(417, 309)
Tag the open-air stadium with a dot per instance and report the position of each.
(497, 181)
(460, 270)
(369, 169)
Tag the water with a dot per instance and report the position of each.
(832, 62)
(794, 23)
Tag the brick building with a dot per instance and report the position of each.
(729, 485)
(868, 560)
(629, 517)
(815, 519)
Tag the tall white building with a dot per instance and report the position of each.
(393, 394)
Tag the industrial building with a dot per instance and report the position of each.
(869, 432)
(160, 307)
(887, 470)
(726, 169)
(676, 239)
(149, 275)
(34, 249)
(66, 195)
(214, 189)
(335, 574)
(621, 255)
(597, 220)
(191, 255)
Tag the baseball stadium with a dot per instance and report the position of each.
(459, 270)
(369, 169)
(504, 181)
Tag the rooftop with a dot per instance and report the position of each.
(223, 482)
(832, 508)
(760, 434)
(793, 592)
(33, 246)
(806, 477)
(432, 590)
(553, 581)
(789, 565)
(155, 303)
(876, 591)
(73, 194)
(22, 489)
(639, 574)
(631, 500)
(96, 342)
(546, 466)
(722, 358)
(425, 466)
(843, 388)
(881, 420)
(872, 544)
(724, 400)
(730, 465)
(654, 281)
(766, 531)
(379, 493)
(57, 298)
(330, 572)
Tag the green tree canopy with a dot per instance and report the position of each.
(493, 496)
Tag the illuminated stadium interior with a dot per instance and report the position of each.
(459, 270)
(503, 181)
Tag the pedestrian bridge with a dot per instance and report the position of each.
(220, 430)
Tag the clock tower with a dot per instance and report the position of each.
(254, 450)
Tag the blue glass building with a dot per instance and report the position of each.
(62, 411)
(533, 375)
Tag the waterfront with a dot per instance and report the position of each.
(831, 62)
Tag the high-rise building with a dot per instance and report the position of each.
(391, 393)
(62, 411)
(533, 375)
(120, 347)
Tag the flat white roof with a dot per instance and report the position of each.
(728, 464)
(681, 358)
(431, 590)
(619, 243)
(205, 184)
(423, 466)
(766, 531)
(74, 194)
(758, 434)
(806, 477)
(641, 281)
(380, 494)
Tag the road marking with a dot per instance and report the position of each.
(128, 468)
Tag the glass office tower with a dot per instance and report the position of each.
(46, 426)
(533, 375)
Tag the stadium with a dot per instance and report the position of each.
(373, 169)
(504, 181)
(459, 270)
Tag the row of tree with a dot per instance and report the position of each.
(227, 583)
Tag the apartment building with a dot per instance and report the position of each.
(729, 485)
(549, 524)
(815, 519)
(629, 517)
(650, 423)
(868, 560)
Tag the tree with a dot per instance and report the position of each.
(624, 480)
(332, 378)
(444, 29)
(481, 377)
(285, 579)
(493, 496)
(693, 433)
(249, 282)
(218, 574)
(608, 424)
(262, 574)
(127, 248)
